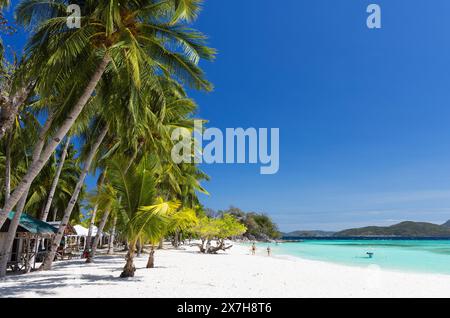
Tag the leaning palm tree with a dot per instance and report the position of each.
(181, 221)
(55, 181)
(93, 214)
(106, 205)
(138, 37)
(100, 130)
(7, 245)
(146, 216)
(175, 220)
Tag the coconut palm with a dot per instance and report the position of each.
(100, 130)
(14, 92)
(15, 149)
(21, 204)
(137, 36)
(93, 215)
(59, 169)
(144, 129)
(107, 205)
(40, 190)
(134, 194)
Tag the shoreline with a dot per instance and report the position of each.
(185, 273)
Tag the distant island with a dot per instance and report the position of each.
(403, 229)
(308, 234)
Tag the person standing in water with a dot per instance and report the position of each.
(253, 249)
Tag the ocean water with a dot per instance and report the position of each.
(427, 256)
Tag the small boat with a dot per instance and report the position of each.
(370, 254)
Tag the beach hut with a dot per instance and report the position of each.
(104, 238)
(25, 249)
(82, 234)
(71, 243)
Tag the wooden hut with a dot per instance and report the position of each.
(26, 245)
(70, 243)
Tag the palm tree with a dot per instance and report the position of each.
(141, 130)
(106, 205)
(134, 194)
(135, 35)
(14, 92)
(179, 221)
(55, 181)
(48, 261)
(15, 221)
(93, 216)
(69, 176)
(40, 190)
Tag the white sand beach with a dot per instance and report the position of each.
(236, 273)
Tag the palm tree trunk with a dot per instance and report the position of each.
(34, 170)
(129, 268)
(11, 235)
(91, 229)
(112, 237)
(175, 239)
(48, 261)
(10, 108)
(55, 212)
(48, 204)
(138, 248)
(151, 257)
(94, 215)
(8, 168)
(4, 252)
(98, 237)
(44, 215)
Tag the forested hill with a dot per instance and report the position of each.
(404, 229)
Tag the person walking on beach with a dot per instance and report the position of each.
(253, 249)
(268, 251)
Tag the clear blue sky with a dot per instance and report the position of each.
(364, 115)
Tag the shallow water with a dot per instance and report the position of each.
(432, 256)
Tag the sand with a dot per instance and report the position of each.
(236, 273)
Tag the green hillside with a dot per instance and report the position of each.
(407, 229)
(308, 234)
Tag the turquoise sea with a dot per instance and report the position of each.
(432, 256)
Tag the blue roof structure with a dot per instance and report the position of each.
(34, 225)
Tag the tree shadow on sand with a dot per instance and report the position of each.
(46, 285)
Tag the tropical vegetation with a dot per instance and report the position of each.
(259, 226)
(103, 99)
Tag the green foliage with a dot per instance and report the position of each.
(218, 228)
(259, 226)
(229, 227)
(206, 228)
